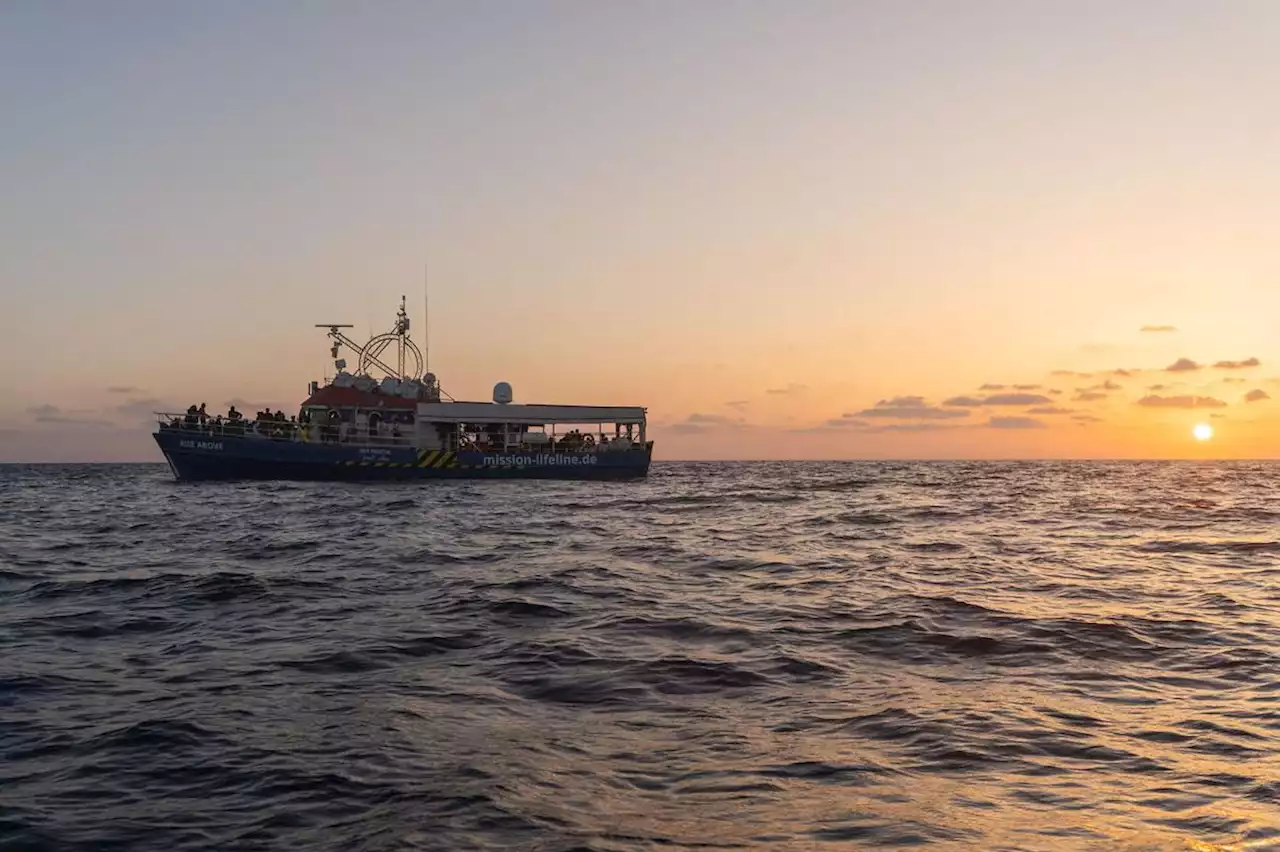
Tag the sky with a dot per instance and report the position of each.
(790, 229)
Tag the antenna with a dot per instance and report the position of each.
(426, 320)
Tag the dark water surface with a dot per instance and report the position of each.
(777, 656)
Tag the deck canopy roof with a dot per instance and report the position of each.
(528, 415)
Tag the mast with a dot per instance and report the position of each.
(404, 335)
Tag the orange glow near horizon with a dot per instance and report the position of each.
(719, 411)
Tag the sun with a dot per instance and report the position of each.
(1202, 431)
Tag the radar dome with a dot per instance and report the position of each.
(502, 393)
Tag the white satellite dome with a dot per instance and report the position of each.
(502, 393)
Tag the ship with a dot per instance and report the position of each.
(387, 419)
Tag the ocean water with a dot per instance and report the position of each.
(772, 656)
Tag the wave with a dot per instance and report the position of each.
(748, 656)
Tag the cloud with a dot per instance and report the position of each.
(991, 387)
(909, 408)
(1050, 409)
(1017, 399)
(52, 414)
(1158, 387)
(687, 428)
(914, 427)
(1216, 416)
(137, 412)
(1234, 380)
(1124, 373)
(998, 399)
(1089, 396)
(1015, 423)
(1108, 385)
(1072, 374)
(1237, 365)
(123, 389)
(1026, 387)
(737, 404)
(696, 424)
(1082, 419)
(1158, 328)
(1256, 395)
(791, 388)
(1154, 401)
(714, 419)
(1055, 391)
(851, 421)
(1182, 365)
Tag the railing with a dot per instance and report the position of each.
(286, 430)
(352, 435)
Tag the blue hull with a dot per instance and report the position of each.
(194, 455)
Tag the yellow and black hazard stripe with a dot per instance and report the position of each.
(436, 459)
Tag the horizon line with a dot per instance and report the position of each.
(896, 460)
